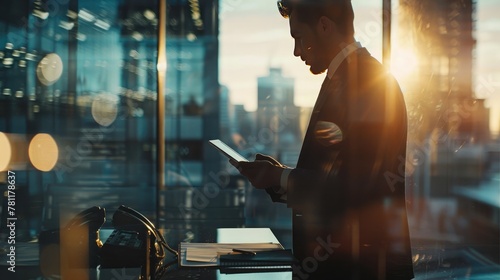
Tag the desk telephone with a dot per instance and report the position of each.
(61, 248)
(134, 236)
(135, 242)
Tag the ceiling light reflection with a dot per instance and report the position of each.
(66, 25)
(71, 14)
(105, 108)
(137, 36)
(81, 37)
(40, 14)
(8, 61)
(102, 24)
(150, 15)
(30, 56)
(86, 15)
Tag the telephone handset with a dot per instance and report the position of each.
(92, 218)
(134, 242)
(63, 247)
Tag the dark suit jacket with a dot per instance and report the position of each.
(348, 199)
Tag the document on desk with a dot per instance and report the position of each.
(208, 254)
(250, 235)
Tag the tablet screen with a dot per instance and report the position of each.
(226, 150)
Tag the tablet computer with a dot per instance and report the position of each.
(226, 150)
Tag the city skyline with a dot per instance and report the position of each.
(267, 43)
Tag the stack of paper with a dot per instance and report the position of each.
(208, 254)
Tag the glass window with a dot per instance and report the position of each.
(440, 56)
(82, 121)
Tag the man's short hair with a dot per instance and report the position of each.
(309, 12)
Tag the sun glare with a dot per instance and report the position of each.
(403, 64)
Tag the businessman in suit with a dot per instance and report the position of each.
(347, 191)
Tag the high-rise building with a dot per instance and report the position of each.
(277, 117)
(226, 113)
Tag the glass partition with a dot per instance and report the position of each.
(83, 75)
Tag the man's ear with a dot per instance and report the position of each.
(326, 25)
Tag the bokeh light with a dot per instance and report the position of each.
(43, 152)
(49, 69)
(105, 108)
(5, 152)
(13, 152)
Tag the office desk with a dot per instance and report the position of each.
(462, 264)
(27, 263)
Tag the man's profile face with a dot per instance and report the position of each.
(307, 45)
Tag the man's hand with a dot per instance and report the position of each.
(262, 173)
(268, 158)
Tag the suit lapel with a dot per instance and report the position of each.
(329, 88)
(320, 101)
